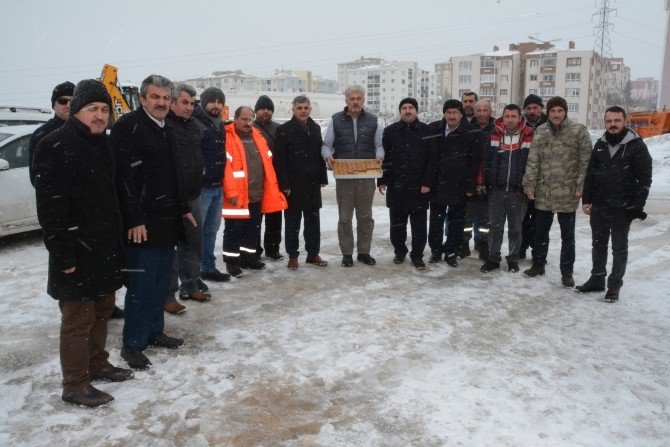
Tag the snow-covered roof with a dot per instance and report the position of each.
(554, 50)
(500, 53)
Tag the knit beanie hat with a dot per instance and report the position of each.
(532, 99)
(264, 102)
(409, 101)
(452, 104)
(211, 94)
(557, 101)
(64, 89)
(88, 91)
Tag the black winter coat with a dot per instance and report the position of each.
(213, 146)
(189, 155)
(409, 164)
(458, 161)
(79, 213)
(298, 163)
(269, 132)
(41, 132)
(621, 182)
(147, 179)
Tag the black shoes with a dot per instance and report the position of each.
(117, 313)
(592, 285)
(465, 250)
(435, 258)
(535, 270)
(112, 374)
(418, 264)
(489, 266)
(451, 260)
(252, 264)
(612, 295)
(512, 266)
(347, 261)
(90, 397)
(233, 269)
(202, 286)
(568, 281)
(215, 276)
(135, 359)
(275, 256)
(398, 259)
(366, 259)
(165, 341)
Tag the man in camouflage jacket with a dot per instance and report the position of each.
(555, 173)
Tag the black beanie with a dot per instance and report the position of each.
(452, 104)
(264, 102)
(557, 101)
(64, 89)
(532, 99)
(88, 91)
(409, 101)
(211, 94)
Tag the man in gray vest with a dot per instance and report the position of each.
(353, 133)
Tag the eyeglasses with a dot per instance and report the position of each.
(63, 101)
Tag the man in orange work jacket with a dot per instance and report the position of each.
(249, 189)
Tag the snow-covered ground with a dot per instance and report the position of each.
(369, 356)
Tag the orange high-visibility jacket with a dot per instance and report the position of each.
(236, 180)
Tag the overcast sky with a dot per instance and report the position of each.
(46, 42)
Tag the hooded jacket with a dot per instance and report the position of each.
(505, 162)
(213, 146)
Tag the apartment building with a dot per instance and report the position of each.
(344, 68)
(292, 81)
(618, 75)
(443, 77)
(645, 90)
(576, 75)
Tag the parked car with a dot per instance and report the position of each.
(18, 212)
(19, 116)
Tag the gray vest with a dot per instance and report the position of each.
(343, 127)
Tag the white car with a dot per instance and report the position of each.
(18, 212)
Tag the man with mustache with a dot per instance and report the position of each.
(154, 209)
(615, 192)
(79, 213)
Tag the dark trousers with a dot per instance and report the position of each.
(272, 234)
(149, 274)
(606, 223)
(456, 218)
(543, 221)
(240, 236)
(83, 335)
(186, 264)
(418, 220)
(311, 232)
(476, 220)
(528, 227)
(510, 206)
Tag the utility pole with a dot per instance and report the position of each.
(664, 91)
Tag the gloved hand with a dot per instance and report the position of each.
(637, 214)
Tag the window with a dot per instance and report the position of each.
(548, 78)
(504, 64)
(403, 81)
(503, 92)
(534, 63)
(465, 65)
(16, 153)
(504, 79)
(573, 107)
(549, 62)
(462, 91)
(547, 91)
(487, 78)
(533, 78)
(574, 61)
(572, 93)
(488, 63)
(487, 92)
(532, 91)
(573, 77)
(464, 79)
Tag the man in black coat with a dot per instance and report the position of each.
(152, 204)
(301, 173)
(615, 192)
(408, 173)
(186, 266)
(459, 149)
(78, 210)
(264, 110)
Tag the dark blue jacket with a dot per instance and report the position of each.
(41, 132)
(213, 145)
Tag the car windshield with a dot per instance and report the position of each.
(4, 136)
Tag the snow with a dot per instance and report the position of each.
(369, 356)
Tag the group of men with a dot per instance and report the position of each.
(142, 206)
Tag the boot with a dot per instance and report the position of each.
(215, 276)
(251, 262)
(292, 264)
(567, 281)
(489, 266)
(113, 374)
(592, 285)
(612, 295)
(512, 266)
(316, 260)
(201, 297)
(135, 359)
(451, 261)
(484, 252)
(535, 270)
(165, 341)
(465, 250)
(174, 308)
(366, 259)
(347, 261)
(233, 269)
(435, 258)
(89, 397)
(418, 264)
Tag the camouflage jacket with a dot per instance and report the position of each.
(557, 164)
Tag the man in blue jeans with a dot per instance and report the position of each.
(208, 117)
